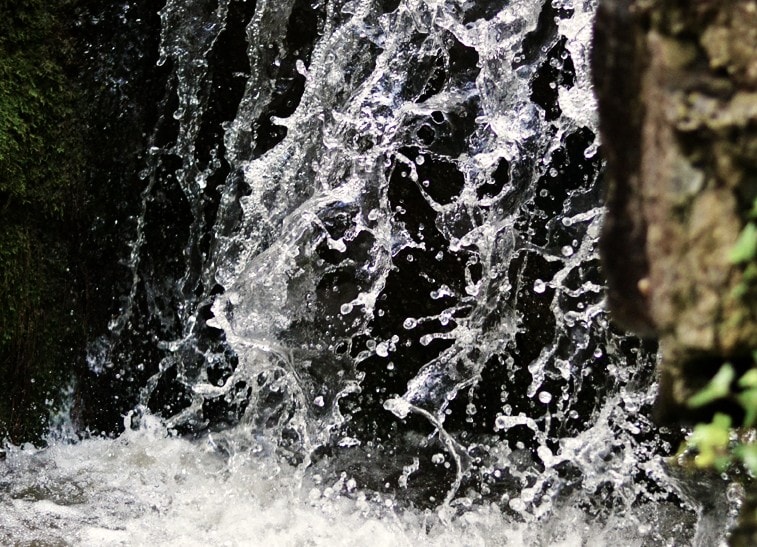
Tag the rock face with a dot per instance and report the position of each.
(677, 90)
(41, 212)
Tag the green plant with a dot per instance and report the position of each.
(745, 252)
(715, 444)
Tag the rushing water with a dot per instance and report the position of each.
(379, 316)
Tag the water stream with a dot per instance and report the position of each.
(364, 300)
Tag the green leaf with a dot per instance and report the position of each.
(711, 440)
(718, 388)
(748, 400)
(749, 379)
(745, 248)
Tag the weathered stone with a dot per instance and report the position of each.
(678, 115)
(676, 84)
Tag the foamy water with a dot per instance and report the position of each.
(147, 487)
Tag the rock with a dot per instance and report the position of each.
(677, 92)
(41, 196)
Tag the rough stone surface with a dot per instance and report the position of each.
(677, 90)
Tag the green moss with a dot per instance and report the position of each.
(41, 186)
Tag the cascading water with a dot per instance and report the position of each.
(379, 314)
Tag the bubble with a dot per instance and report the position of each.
(410, 323)
(539, 286)
(567, 250)
(345, 309)
(318, 401)
(437, 458)
(545, 397)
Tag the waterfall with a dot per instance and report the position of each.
(363, 285)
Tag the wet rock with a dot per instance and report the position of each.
(677, 91)
(41, 212)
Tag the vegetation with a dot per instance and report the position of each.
(715, 444)
(41, 192)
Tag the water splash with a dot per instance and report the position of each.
(388, 269)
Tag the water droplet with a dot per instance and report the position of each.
(539, 286)
(318, 401)
(567, 251)
(598, 353)
(346, 442)
(437, 458)
(545, 397)
(382, 349)
(426, 339)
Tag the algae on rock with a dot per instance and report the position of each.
(41, 197)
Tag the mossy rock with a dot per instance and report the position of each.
(41, 192)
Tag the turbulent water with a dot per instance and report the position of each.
(379, 317)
